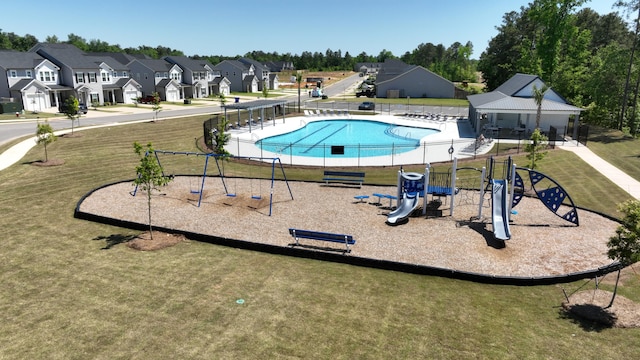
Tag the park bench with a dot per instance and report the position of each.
(322, 236)
(343, 177)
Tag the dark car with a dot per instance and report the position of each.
(367, 105)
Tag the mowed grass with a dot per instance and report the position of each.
(65, 294)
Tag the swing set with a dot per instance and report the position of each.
(217, 158)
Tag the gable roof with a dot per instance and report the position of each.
(155, 65)
(516, 83)
(256, 64)
(10, 59)
(234, 63)
(65, 54)
(189, 63)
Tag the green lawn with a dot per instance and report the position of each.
(65, 294)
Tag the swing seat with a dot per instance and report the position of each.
(256, 197)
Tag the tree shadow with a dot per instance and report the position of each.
(114, 239)
(589, 317)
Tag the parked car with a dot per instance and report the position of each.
(367, 105)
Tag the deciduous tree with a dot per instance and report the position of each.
(149, 175)
(45, 136)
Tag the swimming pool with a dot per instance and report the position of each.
(346, 138)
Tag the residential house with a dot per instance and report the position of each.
(395, 79)
(79, 74)
(197, 76)
(280, 66)
(31, 80)
(240, 75)
(117, 86)
(512, 106)
(161, 76)
(262, 73)
(367, 67)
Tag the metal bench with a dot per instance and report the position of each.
(343, 177)
(322, 236)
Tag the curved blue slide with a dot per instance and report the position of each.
(499, 215)
(409, 203)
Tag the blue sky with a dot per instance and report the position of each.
(231, 28)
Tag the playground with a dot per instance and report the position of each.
(541, 243)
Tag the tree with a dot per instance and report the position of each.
(71, 109)
(299, 81)
(221, 137)
(149, 175)
(155, 105)
(45, 136)
(536, 147)
(265, 88)
(538, 96)
(625, 245)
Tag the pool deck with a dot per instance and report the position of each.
(453, 132)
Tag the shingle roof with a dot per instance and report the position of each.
(191, 64)
(66, 54)
(516, 83)
(19, 60)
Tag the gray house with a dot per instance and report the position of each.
(512, 106)
(31, 80)
(262, 73)
(241, 76)
(396, 79)
(159, 76)
(79, 74)
(197, 76)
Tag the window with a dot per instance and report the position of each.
(29, 74)
(79, 77)
(13, 73)
(95, 98)
(47, 76)
(106, 77)
(124, 74)
(93, 78)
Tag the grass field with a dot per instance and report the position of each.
(66, 294)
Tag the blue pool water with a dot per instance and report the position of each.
(346, 138)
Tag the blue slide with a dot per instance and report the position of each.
(499, 215)
(409, 203)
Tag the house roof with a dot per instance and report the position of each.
(512, 104)
(24, 83)
(156, 64)
(188, 63)
(19, 60)
(256, 64)
(235, 63)
(65, 54)
(516, 83)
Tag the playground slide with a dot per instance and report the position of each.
(409, 203)
(499, 216)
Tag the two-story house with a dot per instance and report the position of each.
(78, 72)
(196, 76)
(31, 80)
(262, 73)
(241, 76)
(157, 75)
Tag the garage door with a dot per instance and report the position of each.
(129, 96)
(35, 102)
(172, 95)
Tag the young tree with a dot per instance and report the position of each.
(223, 100)
(625, 245)
(149, 175)
(265, 88)
(299, 81)
(538, 96)
(71, 109)
(45, 136)
(535, 148)
(155, 105)
(220, 137)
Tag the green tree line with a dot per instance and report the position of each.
(451, 62)
(586, 57)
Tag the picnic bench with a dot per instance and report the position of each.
(343, 177)
(322, 236)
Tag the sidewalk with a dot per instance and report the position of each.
(617, 176)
